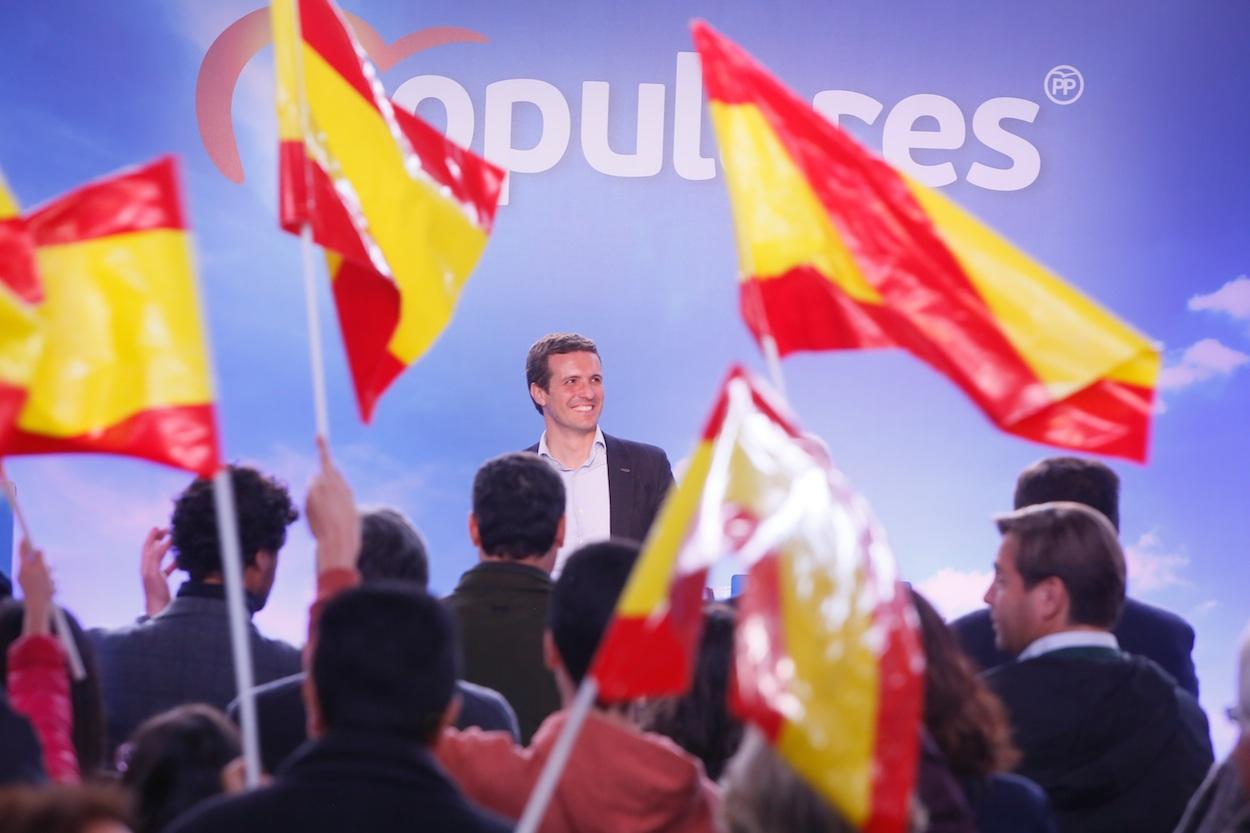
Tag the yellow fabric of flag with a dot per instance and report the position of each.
(123, 366)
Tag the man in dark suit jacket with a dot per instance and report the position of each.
(382, 689)
(1143, 629)
(1114, 741)
(182, 653)
(614, 487)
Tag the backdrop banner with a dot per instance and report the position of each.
(1105, 142)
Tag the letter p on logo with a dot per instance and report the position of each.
(1064, 84)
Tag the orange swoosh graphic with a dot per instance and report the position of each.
(240, 41)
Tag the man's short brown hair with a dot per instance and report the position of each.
(1077, 545)
(537, 369)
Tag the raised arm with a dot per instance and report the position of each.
(335, 524)
(38, 679)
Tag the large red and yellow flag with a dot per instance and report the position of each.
(403, 212)
(122, 368)
(828, 663)
(20, 334)
(839, 250)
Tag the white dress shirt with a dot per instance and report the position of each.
(588, 513)
(1069, 639)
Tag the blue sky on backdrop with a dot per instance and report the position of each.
(1142, 201)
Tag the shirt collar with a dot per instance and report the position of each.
(545, 453)
(192, 589)
(1069, 639)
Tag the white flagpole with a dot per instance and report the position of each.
(549, 778)
(240, 642)
(314, 336)
(317, 364)
(77, 670)
(772, 357)
(232, 574)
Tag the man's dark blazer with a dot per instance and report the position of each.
(1145, 630)
(639, 477)
(283, 719)
(181, 655)
(348, 781)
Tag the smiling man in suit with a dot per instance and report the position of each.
(613, 487)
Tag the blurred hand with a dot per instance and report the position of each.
(153, 573)
(37, 589)
(332, 516)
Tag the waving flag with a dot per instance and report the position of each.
(403, 212)
(20, 334)
(8, 203)
(838, 251)
(827, 663)
(122, 368)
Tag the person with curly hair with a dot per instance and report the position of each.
(180, 651)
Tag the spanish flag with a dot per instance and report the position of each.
(840, 251)
(20, 335)
(403, 212)
(8, 203)
(828, 664)
(122, 368)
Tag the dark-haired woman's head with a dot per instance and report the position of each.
(174, 761)
(700, 722)
(965, 718)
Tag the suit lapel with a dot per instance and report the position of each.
(620, 488)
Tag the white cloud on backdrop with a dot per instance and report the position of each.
(1153, 567)
(1232, 299)
(1201, 362)
(1208, 358)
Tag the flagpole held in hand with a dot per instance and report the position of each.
(314, 337)
(320, 412)
(549, 779)
(240, 641)
(78, 671)
(230, 549)
(772, 356)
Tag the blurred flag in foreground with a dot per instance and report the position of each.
(20, 334)
(839, 251)
(122, 368)
(403, 212)
(828, 663)
(8, 203)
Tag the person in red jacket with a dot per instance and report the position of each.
(618, 779)
(38, 679)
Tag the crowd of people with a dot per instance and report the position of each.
(1063, 706)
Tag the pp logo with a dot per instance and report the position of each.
(1064, 84)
